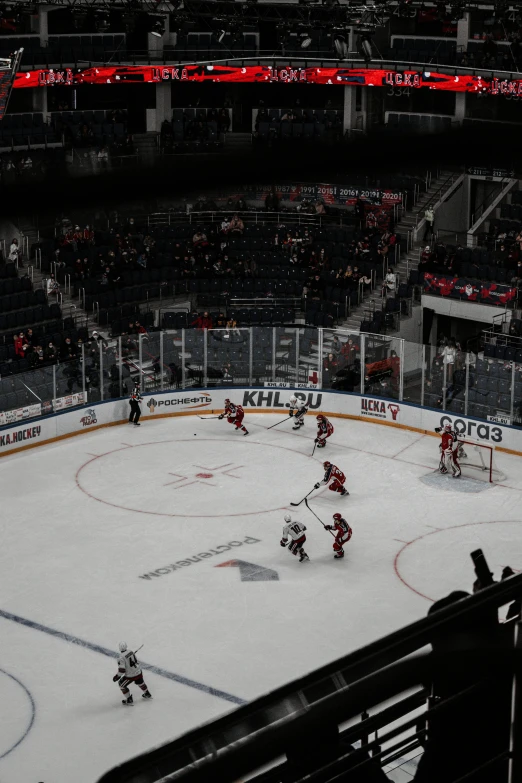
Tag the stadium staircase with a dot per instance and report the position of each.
(408, 260)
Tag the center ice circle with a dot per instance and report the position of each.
(213, 478)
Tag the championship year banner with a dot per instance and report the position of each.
(365, 77)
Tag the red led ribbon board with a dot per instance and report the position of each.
(366, 77)
(469, 290)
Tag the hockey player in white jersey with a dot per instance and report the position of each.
(300, 408)
(129, 671)
(295, 531)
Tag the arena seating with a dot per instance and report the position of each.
(21, 130)
(306, 124)
(417, 123)
(65, 49)
(194, 46)
(194, 130)
(490, 384)
(423, 50)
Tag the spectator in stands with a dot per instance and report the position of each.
(449, 355)
(39, 354)
(53, 287)
(330, 368)
(203, 321)
(320, 208)
(232, 328)
(68, 350)
(236, 226)
(20, 344)
(335, 347)
(15, 254)
(429, 218)
(349, 352)
(199, 239)
(50, 353)
(31, 337)
(389, 284)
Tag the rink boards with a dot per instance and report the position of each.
(378, 410)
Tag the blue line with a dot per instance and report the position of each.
(199, 686)
(33, 713)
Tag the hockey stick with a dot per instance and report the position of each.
(298, 504)
(205, 418)
(315, 446)
(315, 515)
(139, 648)
(279, 422)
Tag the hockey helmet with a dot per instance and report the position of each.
(227, 401)
(288, 518)
(447, 428)
(320, 417)
(326, 464)
(337, 517)
(123, 646)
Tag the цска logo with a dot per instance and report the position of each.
(201, 401)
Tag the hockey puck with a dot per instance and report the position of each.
(195, 434)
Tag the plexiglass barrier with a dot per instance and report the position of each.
(335, 359)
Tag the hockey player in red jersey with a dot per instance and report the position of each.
(336, 476)
(449, 449)
(343, 533)
(235, 415)
(324, 430)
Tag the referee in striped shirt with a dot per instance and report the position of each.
(135, 400)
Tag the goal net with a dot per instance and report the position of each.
(480, 458)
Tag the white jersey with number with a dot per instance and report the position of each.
(128, 664)
(294, 530)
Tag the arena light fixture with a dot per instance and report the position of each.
(340, 45)
(365, 48)
(306, 40)
(157, 27)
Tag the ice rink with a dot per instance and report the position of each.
(167, 535)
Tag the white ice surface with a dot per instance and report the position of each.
(84, 518)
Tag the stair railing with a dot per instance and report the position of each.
(436, 196)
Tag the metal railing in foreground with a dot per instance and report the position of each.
(261, 732)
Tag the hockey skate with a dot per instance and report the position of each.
(339, 555)
(146, 695)
(344, 492)
(303, 557)
(443, 470)
(296, 427)
(246, 432)
(457, 474)
(321, 445)
(129, 701)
